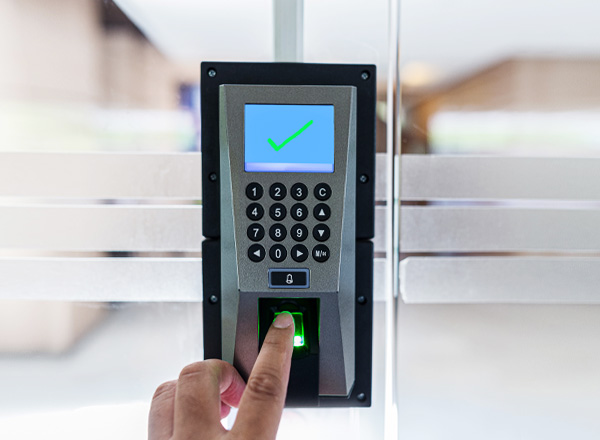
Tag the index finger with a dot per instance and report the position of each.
(264, 397)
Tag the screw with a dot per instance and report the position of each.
(365, 75)
(212, 73)
(362, 300)
(361, 397)
(213, 299)
(212, 177)
(363, 178)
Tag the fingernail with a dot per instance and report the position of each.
(283, 320)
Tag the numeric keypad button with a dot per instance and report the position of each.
(278, 191)
(256, 232)
(254, 211)
(322, 191)
(299, 191)
(321, 253)
(277, 212)
(277, 232)
(299, 212)
(322, 212)
(299, 232)
(277, 253)
(254, 191)
(299, 253)
(321, 232)
(256, 253)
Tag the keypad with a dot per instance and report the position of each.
(296, 241)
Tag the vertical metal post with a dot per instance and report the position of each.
(288, 30)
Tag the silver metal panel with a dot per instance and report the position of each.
(101, 175)
(234, 244)
(426, 177)
(500, 280)
(101, 228)
(480, 229)
(101, 279)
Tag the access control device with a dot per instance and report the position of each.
(288, 162)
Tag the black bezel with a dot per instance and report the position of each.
(289, 74)
(293, 74)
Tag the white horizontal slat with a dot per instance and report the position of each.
(428, 177)
(115, 279)
(381, 176)
(379, 242)
(478, 229)
(381, 279)
(500, 280)
(101, 228)
(101, 175)
(101, 279)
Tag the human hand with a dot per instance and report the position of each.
(192, 406)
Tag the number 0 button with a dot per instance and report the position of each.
(254, 191)
(254, 211)
(277, 253)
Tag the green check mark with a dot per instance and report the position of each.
(279, 147)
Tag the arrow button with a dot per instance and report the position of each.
(321, 232)
(299, 253)
(256, 253)
(322, 212)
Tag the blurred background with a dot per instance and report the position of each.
(512, 78)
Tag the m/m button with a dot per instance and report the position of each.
(320, 253)
(288, 278)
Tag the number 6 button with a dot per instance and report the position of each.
(299, 212)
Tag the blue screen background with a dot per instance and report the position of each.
(311, 151)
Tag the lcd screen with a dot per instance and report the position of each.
(288, 138)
